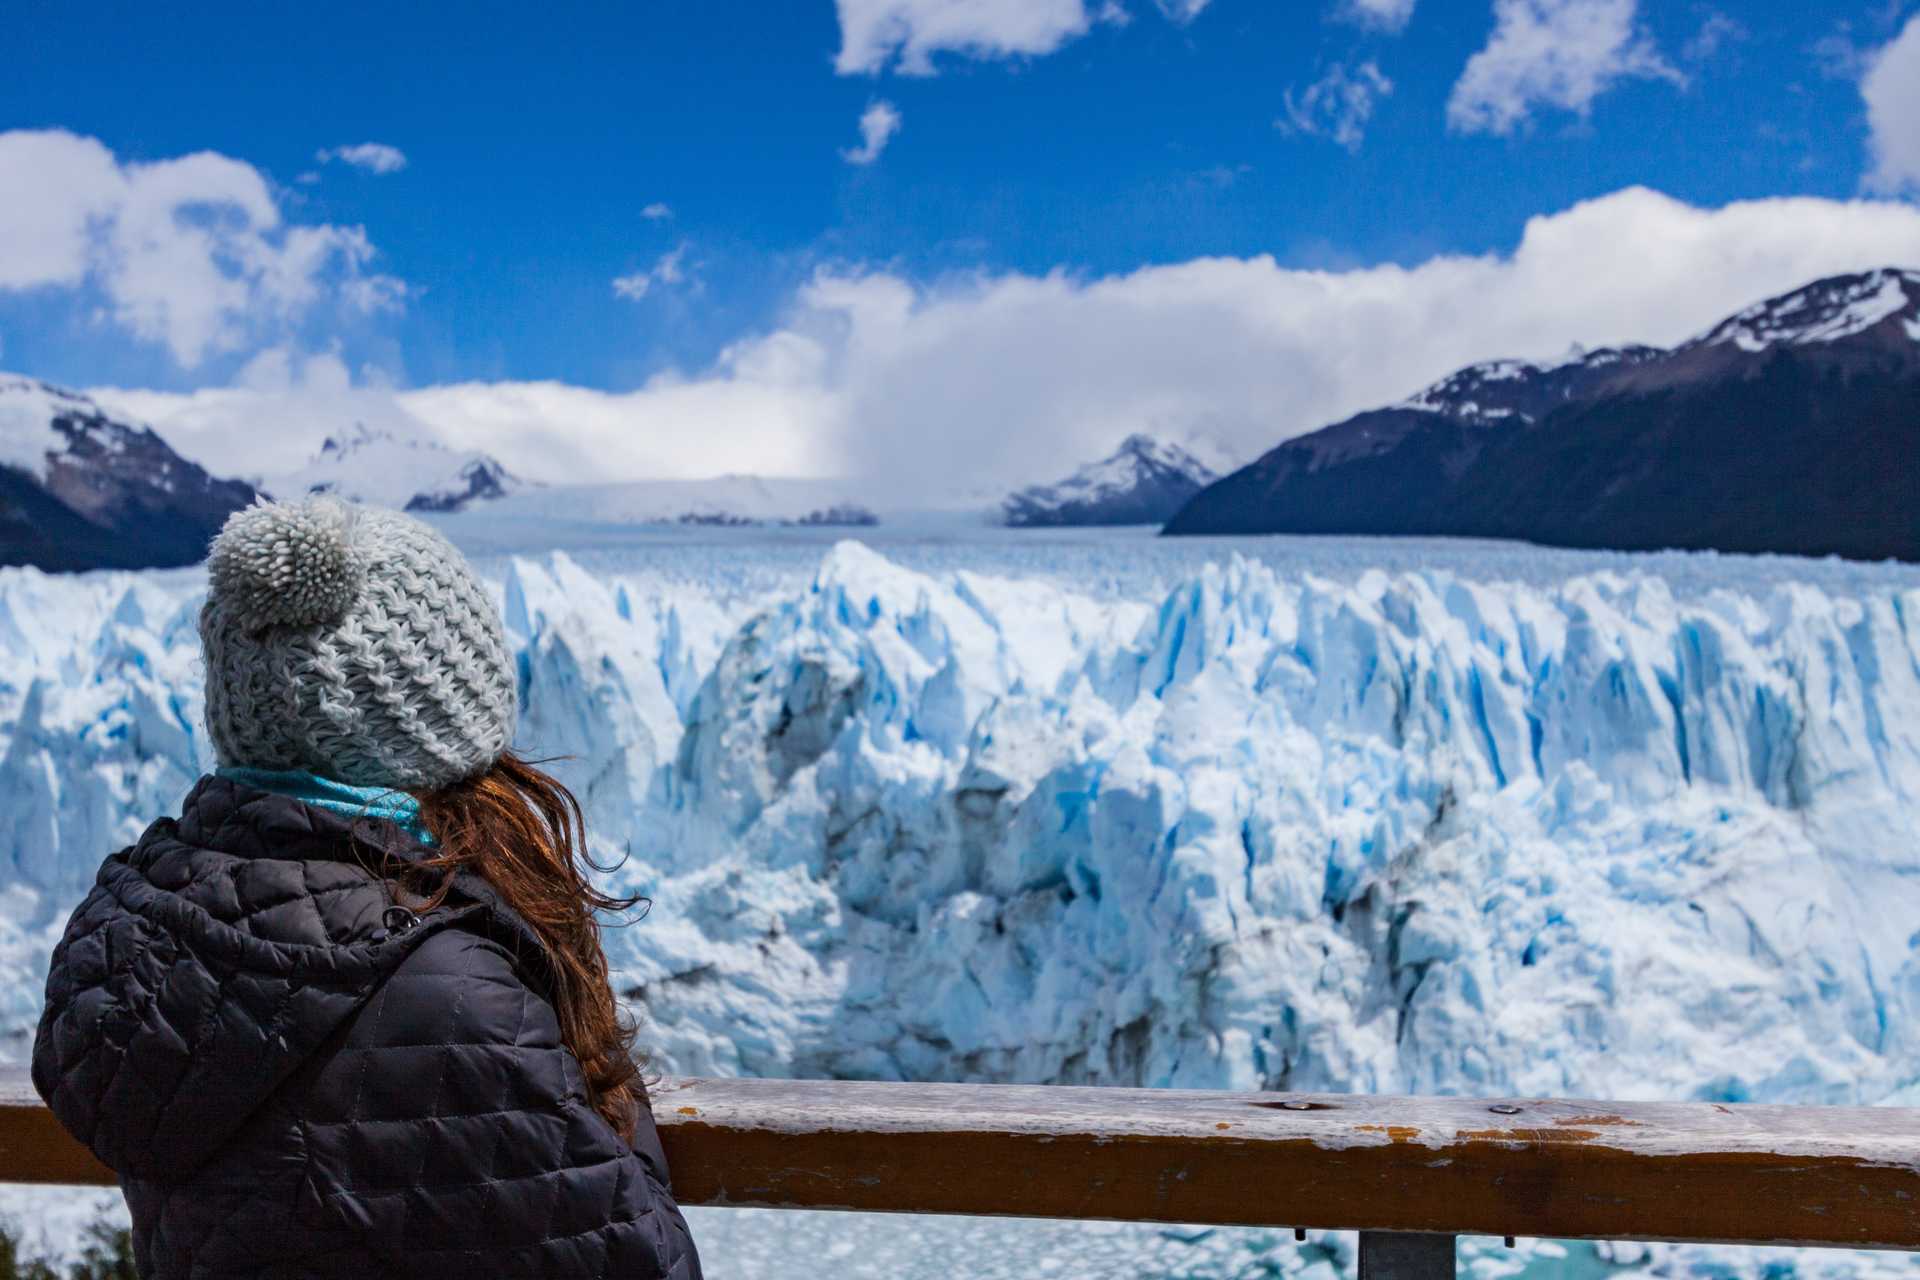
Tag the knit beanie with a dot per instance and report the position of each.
(353, 642)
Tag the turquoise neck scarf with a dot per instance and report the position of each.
(342, 798)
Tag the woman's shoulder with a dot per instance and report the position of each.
(461, 984)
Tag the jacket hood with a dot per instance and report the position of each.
(213, 958)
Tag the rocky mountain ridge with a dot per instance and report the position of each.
(1790, 426)
(80, 489)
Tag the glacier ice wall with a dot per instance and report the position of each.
(1406, 831)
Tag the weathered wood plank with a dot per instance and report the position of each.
(1566, 1168)
(1703, 1171)
(33, 1146)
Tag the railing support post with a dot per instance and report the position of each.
(1406, 1255)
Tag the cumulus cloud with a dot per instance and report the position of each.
(907, 33)
(1554, 53)
(1383, 15)
(191, 252)
(658, 211)
(669, 269)
(878, 123)
(999, 379)
(374, 157)
(1891, 87)
(1337, 105)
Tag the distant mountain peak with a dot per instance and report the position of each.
(1143, 481)
(1825, 311)
(392, 469)
(359, 436)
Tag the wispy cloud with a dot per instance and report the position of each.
(907, 33)
(904, 35)
(1337, 105)
(1552, 53)
(668, 269)
(1382, 15)
(374, 157)
(1716, 33)
(1181, 10)
(657, 212)
(878, 123)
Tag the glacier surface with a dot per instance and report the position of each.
(1334, 814)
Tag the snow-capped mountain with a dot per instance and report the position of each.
(721, 500)
(82, 490)
(1144, 481)
(391, 469)
(1842, 307)
(1788, 427)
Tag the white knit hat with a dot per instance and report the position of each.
(353, 642)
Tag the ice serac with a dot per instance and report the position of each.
(1388, 831)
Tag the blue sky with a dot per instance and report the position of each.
(700, 153)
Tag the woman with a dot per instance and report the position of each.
(348, 1015)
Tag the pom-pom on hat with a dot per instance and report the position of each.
(353, 642)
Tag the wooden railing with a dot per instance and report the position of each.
(1407, 1173)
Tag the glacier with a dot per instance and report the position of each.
(1329, 814)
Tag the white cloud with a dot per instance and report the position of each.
(1716, 32)
(1181, 10)
(1005, 378)
(1384, 15)
(878, 123)
(1891, 88)
(668, 269)
(1337, 105)
(191, 252)
(1556, 53)
(374, 157)
(658, 211)
(904, 35)
(765, 407)
(909, 32)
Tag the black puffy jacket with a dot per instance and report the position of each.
(291, 1082)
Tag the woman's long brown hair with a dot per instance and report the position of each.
(522, 831)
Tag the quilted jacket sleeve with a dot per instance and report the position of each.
(450, 1126)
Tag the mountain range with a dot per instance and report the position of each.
(1792, 426)
(1144, 481)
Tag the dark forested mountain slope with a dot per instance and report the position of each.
(1793, 426)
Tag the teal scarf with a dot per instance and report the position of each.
(342, 798)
